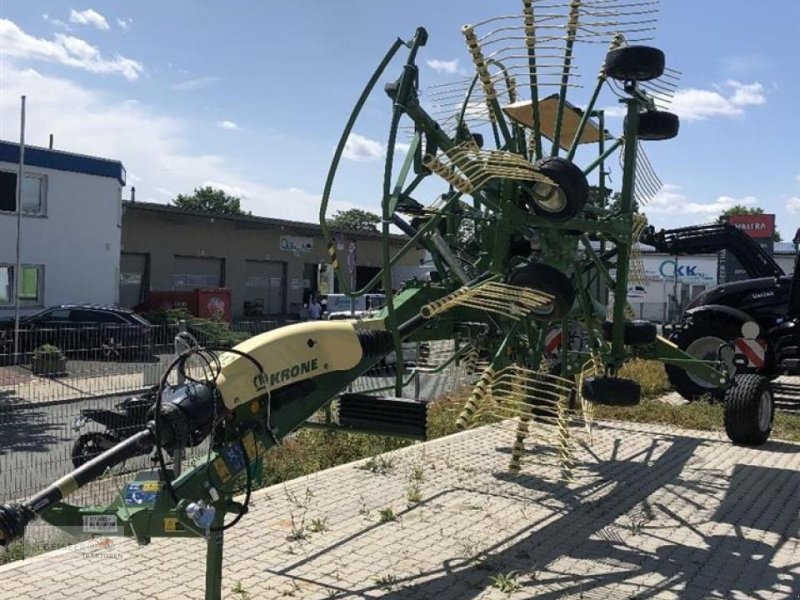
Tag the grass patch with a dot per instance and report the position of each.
(702, 415)
(650, 374)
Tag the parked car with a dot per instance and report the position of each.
(81, 332)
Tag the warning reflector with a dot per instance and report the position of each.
(752, 349)
(553, 340)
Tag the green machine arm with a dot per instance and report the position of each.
(264, 389)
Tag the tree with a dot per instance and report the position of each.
(210, 199)
(608, 199)
(354, 219)
(747, 210)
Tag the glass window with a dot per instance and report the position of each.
(6, 281)
(30, 284)
(33, 193)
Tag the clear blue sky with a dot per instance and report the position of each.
(252, 96)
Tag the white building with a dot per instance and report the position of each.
(667, 290)
(70, 228)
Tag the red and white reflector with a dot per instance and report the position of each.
(754, 350)
(553, 340)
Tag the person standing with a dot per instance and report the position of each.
(314, 309)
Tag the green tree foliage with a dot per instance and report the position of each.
(210, 199)
(608, 199)
(354, 219)
(747, 210)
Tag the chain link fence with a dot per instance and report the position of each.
(40, 414)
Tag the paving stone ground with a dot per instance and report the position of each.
(652, 512)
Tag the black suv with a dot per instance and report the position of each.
(81, 332)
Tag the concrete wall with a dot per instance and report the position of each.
(164, 235)
(77, 239)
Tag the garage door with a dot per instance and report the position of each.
(191, 272)
(265, 287)
(133, 278)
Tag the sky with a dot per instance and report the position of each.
(252, 97)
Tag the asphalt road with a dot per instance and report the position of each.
(36, 444)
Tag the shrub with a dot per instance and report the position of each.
(47, 351)
(208, 332)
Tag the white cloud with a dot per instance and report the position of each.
(362, 149)
(615, 112)
(151, 144)
(191, 85)
(730, 100)
(88, 17)
(227, 125)
(124, 23)
(690, 104)
(56, 22)
(444, 66)
(793, 204)
(402, 147)
(65, 50)
(671, 201)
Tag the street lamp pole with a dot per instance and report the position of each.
(17, 267)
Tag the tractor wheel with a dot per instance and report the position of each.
(702, 339)
(749, 410)
(655, 125)
(637, 333)
(635, 63)
(551, 281)
(562, 202)
(612, 391)
(90, 445)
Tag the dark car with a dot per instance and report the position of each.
(81, 332)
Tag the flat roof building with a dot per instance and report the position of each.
(270, 266)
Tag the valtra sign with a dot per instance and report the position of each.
(756, 226)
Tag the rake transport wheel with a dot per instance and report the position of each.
(562, 202)
(551, 281)
(656, 125)
(635, 63)
(702, 338)
(612, 391)
(636, 333)
(749, 410)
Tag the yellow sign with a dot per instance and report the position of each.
(222, 470)
(172, 525)
(150, 486)
(249, 442)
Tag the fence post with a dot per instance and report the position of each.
(182, 342)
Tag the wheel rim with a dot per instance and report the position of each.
(764, 411)
(111, 348)
(545, 310)
(549, 198)
(706, 348)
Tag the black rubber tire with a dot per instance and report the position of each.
(636, 333)
(612, 391)
(573, 189)
(722, 327)
(90, 445)
(656, 125)
(745, 399)
(550, 281)
(635, 63)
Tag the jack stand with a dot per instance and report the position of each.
(214, 559)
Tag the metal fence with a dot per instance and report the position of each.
(38, 413)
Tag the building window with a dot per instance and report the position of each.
(31, 285)
(34, 190)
